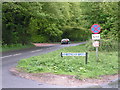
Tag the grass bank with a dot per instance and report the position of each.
(12, 47)
(71, 65)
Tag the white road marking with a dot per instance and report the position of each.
(49, 48)
(36, 50)
(6, 56)
(11, 55)
(17, 54)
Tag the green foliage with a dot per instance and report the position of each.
(39, 39)
(15, 22)
(54, 63)
(105, 45)
(51, 21)
(75, 34)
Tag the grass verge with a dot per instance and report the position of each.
(71, 65)
(5, 48)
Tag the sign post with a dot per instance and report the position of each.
(86, 58)
(97, 54)
(95, 28)
(96, 44)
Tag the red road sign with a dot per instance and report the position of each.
(96, 43)
(95, 28)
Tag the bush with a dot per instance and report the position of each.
(105, 45)
(39, 39)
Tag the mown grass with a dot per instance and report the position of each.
(71, 65)
(12, 47)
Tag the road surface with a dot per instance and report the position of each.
(10, 59)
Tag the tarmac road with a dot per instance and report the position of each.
(10, 59)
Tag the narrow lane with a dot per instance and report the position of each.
(10, 60)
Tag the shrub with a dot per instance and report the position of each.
(39, 39)
(105, 45)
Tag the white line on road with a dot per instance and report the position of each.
(49, 48)
(11, 55)
(6, 56)
(20, 54)
(36, 50)
(17, 54)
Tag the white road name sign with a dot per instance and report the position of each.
(73, 54)
(95, 36)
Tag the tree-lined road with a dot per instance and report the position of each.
(10, 59)
(25, 22)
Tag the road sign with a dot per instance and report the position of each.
(95, 28)
(76, 54)
(73, 54)
(96, 43)
(95, 36)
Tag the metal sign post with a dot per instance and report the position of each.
(97, 54)
(95, 28)
(96, 44)
(86, 58)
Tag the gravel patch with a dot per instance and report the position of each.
(64, 80)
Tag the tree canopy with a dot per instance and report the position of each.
(25, 22)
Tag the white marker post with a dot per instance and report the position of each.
(97, 54)
(96, 44)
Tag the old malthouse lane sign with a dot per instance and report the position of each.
(95, 28)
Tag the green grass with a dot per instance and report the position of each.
(5, 48)
(71, 65)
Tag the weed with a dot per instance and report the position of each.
(72, 65)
